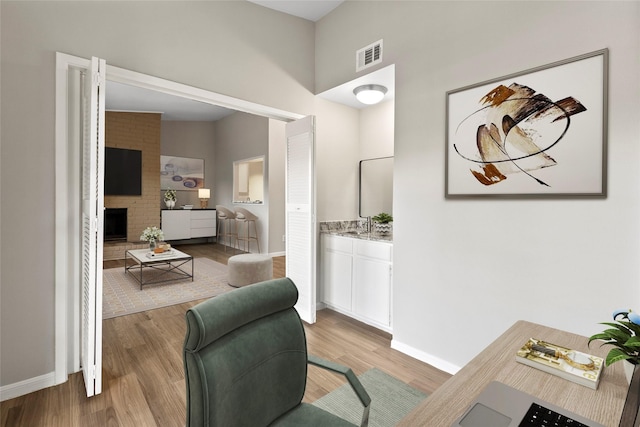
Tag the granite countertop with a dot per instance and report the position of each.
(362, 235)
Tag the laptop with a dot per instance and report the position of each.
(499, 405)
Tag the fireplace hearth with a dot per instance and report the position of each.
(115, 225)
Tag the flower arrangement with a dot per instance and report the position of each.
(624, 336)
(150, 234)
(170, 195)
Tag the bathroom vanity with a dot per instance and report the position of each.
(356, 276)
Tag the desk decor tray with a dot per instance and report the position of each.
(580, 368)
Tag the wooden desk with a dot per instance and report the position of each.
(497, 362)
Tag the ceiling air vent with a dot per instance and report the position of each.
(369, 55)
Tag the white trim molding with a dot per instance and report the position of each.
(425, 357)
(30, 385)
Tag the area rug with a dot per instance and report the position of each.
(122, 294)
(391, 400)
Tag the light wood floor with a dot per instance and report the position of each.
(143, 378)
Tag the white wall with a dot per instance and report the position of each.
(337, 156)
(465, 270)
(376, 124)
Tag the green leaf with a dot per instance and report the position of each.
(633, 342)
(600, 336)
(616, 355)
(632, 326)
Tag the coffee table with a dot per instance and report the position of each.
(171, 265)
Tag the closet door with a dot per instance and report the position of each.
(301, 214)
(92, 219)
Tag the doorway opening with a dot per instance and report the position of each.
(68, 293)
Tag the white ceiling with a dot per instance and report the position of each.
(343, 94)
(311, 10)
(122, 97)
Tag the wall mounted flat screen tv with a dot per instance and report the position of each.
(122, 172)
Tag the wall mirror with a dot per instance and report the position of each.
(376, 186)
(248, 180)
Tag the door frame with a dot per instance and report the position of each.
(67, 322)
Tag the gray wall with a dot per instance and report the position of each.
(259, 61)
(195, 140)
(464, 271)
(276, 189)
(577, 265)
(242, 136)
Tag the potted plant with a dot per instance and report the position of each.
(170, 198)
(382, 222)
(152, 235)
(624, 336)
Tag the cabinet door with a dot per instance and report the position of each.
(176, 224)
(372, 282)
(337, 268)
(337, 283)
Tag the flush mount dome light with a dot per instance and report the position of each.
(370, 94)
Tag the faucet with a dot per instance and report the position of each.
(368, 226)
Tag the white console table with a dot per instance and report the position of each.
(180, 224)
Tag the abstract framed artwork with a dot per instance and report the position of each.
(540, 133)
(181, 173)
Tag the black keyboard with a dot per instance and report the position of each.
(539, 416)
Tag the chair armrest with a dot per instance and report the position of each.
(354, 382)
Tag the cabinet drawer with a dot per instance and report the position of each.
(203, 215)
(338, 244)
(203, 223)
(375, 250)
(203, 232)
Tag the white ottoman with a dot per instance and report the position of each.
(246, 269)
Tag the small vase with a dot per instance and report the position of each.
(382, 228)
(152, 245)
(170, 203)
(629, 368)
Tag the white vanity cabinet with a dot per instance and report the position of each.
(357, 278)
(337, 268)
(188, 224)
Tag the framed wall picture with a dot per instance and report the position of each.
(538, 133)
(181, 173)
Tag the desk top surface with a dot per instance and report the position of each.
(498, 362)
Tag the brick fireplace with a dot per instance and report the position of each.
(135, 131)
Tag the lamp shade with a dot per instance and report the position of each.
(370, 94)
(203, 193)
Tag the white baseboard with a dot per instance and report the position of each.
(27, 386)
(434, 361)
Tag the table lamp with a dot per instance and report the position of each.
(203, 195)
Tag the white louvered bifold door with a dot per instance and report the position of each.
(301, 214)
(92, 219)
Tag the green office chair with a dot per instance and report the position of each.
(245, 361)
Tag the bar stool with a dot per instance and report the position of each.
(245, 217)
(227, 229)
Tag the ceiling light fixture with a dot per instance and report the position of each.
(370, 94)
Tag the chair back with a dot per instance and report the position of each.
(245, 356)
(224, 213)
(243, 214)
